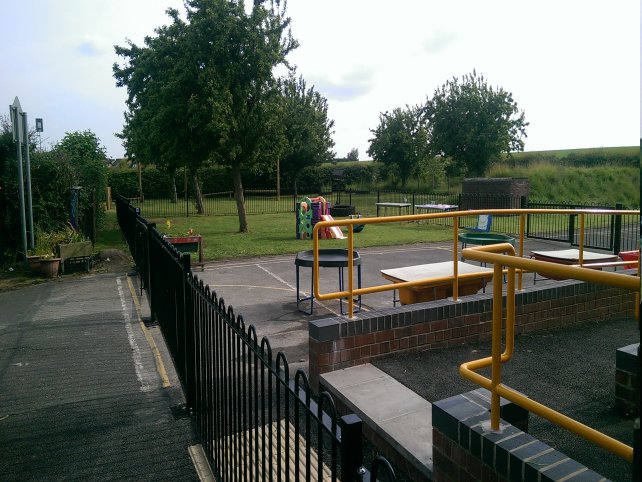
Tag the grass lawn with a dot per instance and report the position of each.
(273, 234)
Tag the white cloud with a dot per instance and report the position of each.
(572, 65)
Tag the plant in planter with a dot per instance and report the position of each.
(73, 247)
(49, 265)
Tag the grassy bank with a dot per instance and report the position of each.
(583, 185)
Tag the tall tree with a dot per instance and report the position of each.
(473, 123)
(211, 77)
(161, 78)
(306, 130)
(400, 142)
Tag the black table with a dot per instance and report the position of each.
(328, 258)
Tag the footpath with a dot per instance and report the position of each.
(80, 394)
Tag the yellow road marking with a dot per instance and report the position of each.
(160, 366)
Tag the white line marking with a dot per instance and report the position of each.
(293, 288)
(138, 364)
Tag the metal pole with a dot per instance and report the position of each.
(21, 193)
(28, 180)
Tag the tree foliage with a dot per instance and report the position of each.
(353, 155)
(400, 142)
(203, 89)
(77, 160)
(473, 123)
(306, 130)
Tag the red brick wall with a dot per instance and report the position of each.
(341, 343)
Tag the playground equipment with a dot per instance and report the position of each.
(312, 210)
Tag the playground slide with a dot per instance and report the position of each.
(335, 231)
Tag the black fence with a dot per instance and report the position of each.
(607, 232)
(255, 420)
(610, 232)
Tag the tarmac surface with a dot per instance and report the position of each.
(81, 397)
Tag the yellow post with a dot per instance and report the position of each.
(522, 228)
(350, 269)
(455, 258)
(496, 351)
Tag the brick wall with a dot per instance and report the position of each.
(493, 193)
(627, 379)
(465, 449)
(336, 343)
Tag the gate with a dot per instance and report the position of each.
(255, 420)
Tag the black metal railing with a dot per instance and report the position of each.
(601, 231)
(256, 421)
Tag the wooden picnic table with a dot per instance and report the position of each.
(436, 290)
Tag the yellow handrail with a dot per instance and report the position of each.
(500, 255)
(491, 254)
(351, 293)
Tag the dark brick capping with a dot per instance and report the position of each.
(627, 379)
(465, 448)
(336, 343)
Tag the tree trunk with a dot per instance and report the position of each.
(278, 180)
(140, 182)
(198, 195)
(174, 191)
(240, 199)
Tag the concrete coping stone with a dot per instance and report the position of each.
(394, 412)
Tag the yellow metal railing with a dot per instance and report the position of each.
(352, 292)
(495, 254)
(501, 256)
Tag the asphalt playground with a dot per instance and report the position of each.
(263, 290)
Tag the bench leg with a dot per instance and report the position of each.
(298, 295)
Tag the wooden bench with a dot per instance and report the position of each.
(434, 287)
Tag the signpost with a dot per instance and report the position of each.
(20, 136)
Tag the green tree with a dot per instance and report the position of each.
(86, 157)
(306, 130)
(474, 123)
(400, 142)
(211, 77)
(353, 155)
(161, 78)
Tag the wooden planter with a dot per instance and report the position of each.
(80, 252)
(188, 244)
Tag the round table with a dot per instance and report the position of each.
(328, 258)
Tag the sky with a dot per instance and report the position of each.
(573, 66)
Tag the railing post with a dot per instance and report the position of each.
(351, 448)
(147, 267)
(571, 229)
(188, 337)
(617, 230)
